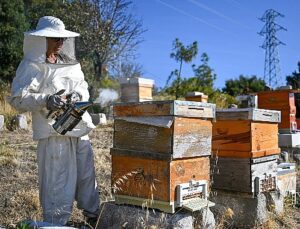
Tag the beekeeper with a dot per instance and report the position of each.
(65, 162)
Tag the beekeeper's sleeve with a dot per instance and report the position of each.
(25, 95)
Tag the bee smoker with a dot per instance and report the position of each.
(70, 117)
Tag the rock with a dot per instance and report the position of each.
(239, 210)
(126, 216)
(1, 122)
(20, 121)
(275, 202)
(296, 157)
(284, 156)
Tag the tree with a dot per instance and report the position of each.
(204, 75)
(202, 80)
(109, 32)
(12, 26)
(181, 54)
(244, 85)
(294, 79)
(129, 70)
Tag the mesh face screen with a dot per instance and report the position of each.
(67, 53)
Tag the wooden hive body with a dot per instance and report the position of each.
(153, 176)
(157, 146)
(245, 175)
(281, 100)
(245, 133)
(136, 89)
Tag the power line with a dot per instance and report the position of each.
(271, 67)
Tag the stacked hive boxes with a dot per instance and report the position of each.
(157, 146)
(136, 89)
(245, 149)
(284, 101)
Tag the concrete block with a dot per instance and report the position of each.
(115, 216)
(275, 202)
(248, 212)
(99, 119)
(1, 122)
(20, 122)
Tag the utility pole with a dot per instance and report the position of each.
(271, 68)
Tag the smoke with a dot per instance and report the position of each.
(106, 97)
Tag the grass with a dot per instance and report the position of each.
(8, 157)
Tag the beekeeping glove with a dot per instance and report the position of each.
(73, 97)
(55, 101)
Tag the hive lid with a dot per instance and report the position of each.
(249, 114)
(165, 108)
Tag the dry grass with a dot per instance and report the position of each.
(19, 188)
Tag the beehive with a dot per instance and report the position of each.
(246, 175)
(281, 100)
(157, 146)
(245, 133)
(197, 97)
(136, 89)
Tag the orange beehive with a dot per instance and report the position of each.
(154, 176)
(157, 146)
(281, 100)
(245, 133)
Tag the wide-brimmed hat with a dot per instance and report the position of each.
(49, 26)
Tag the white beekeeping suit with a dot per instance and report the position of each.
(66, 164)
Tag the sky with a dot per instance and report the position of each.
(227, 30)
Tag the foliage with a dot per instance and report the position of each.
(12, 26)
(109, 33)
(202, 81)
(181, 54)
(294, 79)
(244, 85)
(222, 100)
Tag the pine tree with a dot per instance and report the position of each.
(12, 26)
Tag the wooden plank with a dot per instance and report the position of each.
(172, 107)
(143, 109)
(264, 136)
(186, 137)
(142, 137)
(194, 109)
(231, 135)
(145, 91)
(184, 170)
(231, 174)
(140, 154)
(168, 207)
(279, 98)
(245, 154)
(248, 114)
(192, 137)
(129, 93)
(141, 177)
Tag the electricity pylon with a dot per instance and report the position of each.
(271, 68)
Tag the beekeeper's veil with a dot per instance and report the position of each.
(36, 78)
(35, 43)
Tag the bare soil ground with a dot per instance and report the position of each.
(19, 186)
